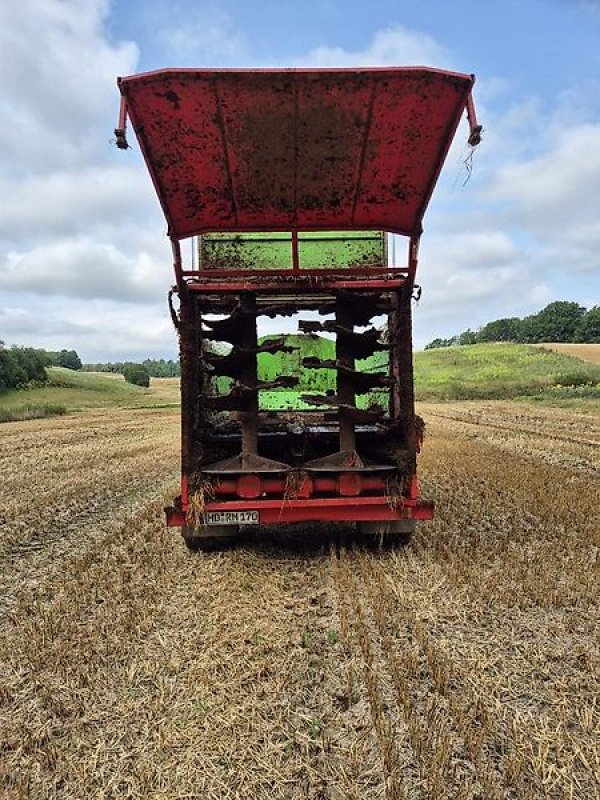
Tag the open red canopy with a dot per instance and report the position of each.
(326, 149)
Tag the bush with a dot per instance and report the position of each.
(31, 411)
(575, 378)
(137, 374)
(157, 368)
(68, 359)
(20, 366)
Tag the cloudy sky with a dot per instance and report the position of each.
(84, 260)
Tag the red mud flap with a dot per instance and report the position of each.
(339, 509)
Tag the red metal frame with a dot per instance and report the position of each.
(267, 286)
(357, 508)
(293, 274)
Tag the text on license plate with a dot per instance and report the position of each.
(231, 518)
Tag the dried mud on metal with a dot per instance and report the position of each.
(304, 664)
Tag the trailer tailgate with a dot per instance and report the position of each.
(336, 149)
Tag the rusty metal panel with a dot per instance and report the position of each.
(236, 251)
(250, 150)
(316, 250)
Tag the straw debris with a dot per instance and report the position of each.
(298, 665)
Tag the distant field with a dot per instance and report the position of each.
(586, 352)
(68, 390)
(473, 372)
(503, 371)
(483, 372)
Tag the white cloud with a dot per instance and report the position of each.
(77, 217)
(57, 82)
(467, 279)
(559, 182)
(393, 46)
(541, 294)
(24, 327)
(553, 197)
(482, 250)
(523, 232)
(65, 202)
(85, 269)
(99, 331)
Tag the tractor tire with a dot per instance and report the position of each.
(389, 532)
(209, 540)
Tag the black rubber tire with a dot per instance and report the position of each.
(220, 538)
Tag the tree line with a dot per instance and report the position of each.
(26, 366)
(156, 368)
(23, 366)
(561, 321)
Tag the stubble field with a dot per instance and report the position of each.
(304, 664)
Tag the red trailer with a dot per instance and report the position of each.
(238, 153)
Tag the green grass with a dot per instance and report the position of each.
(482, 372)
(580, 398)
(68, 391)
(473, 372)
(31, 411)
(500, 371)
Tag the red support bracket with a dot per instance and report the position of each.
(121, 129)
(413, 258)
(476, 129)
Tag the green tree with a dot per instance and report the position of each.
(137, 374)
(467, 337)
(68, 359)
(11, 372)
(588, 328)
(507, 329)
(20, 366)
(557, 322)
(157, 368)
(34, 362)
(435, 343)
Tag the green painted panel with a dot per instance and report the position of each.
(321, 250)
(348, 249)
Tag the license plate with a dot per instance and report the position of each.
(231, 518)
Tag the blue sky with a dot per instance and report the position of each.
(84, 261)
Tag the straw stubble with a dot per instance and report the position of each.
(304, 664)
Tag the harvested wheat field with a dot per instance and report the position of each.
(586, 352)
(301, 665)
